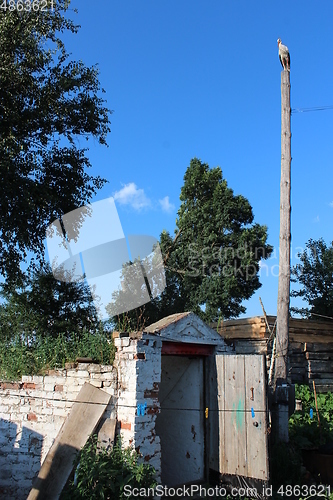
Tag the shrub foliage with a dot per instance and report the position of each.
(105, 474)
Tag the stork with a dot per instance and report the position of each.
(284, 55)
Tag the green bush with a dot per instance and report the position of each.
(304, 431)
(22, 355)
(105, 474)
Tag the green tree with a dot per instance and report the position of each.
(212, 262)
(45, 307)
(47, 103)
(314, 275)
(45, 323)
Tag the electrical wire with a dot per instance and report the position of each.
(116, 405)
(321, 316)
(307, 110)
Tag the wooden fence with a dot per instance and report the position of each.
(310, 346)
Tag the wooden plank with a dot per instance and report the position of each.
(316, 356)
(106, 434)
(297, 378)
(215, 388)
(220, 367)
(235, 459)
(320, 366)
(243, 334)
(312, 334)
(322, 380)
(309, 323)
(324, 387)
(298, 369)
(250, 347)
(242, 321)
(81, 422)
(294, 323)
(256, 424)
(297, 346)
(320, 339)
(243, 327)
(317, 347)
(297, 359)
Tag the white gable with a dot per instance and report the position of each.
(185, 327)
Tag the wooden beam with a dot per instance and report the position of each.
(81, 422)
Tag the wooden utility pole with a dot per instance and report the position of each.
(282, 334)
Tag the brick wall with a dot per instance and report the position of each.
(138, 361)
(32, 412)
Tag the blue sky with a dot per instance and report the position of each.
(202, 79)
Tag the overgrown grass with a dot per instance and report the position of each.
(21, 356)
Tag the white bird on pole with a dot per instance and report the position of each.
(284, 55)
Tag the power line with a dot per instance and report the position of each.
(307, 110)
(116, 405)
(315, 314)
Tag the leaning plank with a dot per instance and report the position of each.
(81, 422)
(106, 434)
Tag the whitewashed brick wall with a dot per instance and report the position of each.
(139, 375)
(33, 410)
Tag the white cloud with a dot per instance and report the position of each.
(131, 195)
(316, 219)
(331, 204)
(166, 205)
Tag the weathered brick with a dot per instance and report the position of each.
(108, 383)
(107, 376)
(13, 400)
(58, 388)
(46, 411)
(24, 408)
(117, 342)
(109, 390)
(92, 368)
(54, 380)
(78, 373)
(32, 417)
(125, 425)
(140, 355)
(60, 412)
(106, 368)
(83, 366)
(48, 387)
(95, 383)
(70, 366)
(29, 385)
(10, 385)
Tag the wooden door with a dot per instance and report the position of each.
(237, 413)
